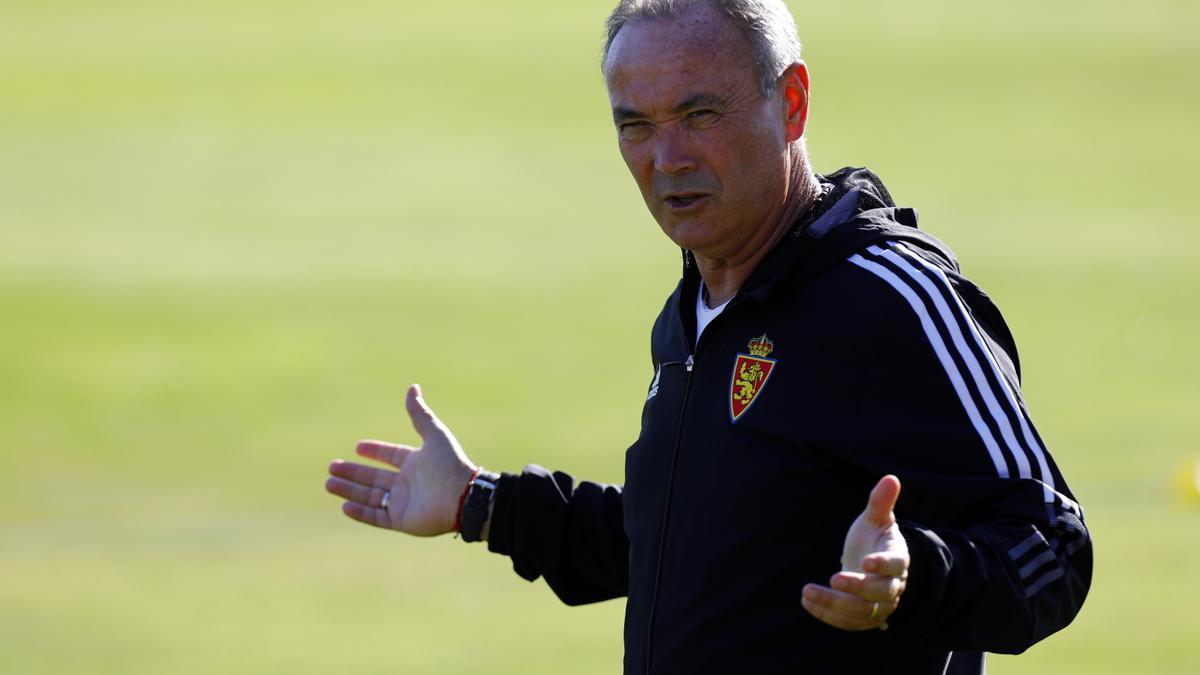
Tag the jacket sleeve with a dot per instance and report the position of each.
(1001, 556)
(573, 535)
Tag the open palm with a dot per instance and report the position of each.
(875, 562)
(421, 493)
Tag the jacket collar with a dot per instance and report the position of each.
(849, 192)
(856, 212)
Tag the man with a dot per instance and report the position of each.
(818, 349)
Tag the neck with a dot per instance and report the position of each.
(723, 277)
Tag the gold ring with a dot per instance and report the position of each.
(874, 611)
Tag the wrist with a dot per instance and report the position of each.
(462, 499)
(476, 506)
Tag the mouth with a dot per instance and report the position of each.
(684, 200)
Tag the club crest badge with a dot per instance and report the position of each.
(750, 375)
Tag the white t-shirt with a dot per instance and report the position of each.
(704, 315)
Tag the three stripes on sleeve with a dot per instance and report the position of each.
(991, 403)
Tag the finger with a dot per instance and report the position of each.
(882, 502)
(840, 609)
(837, 601)
(423, 419)
(844, 610)
(868, 586)
(388, 453)
(361, 494)
(363, 514)
(832, 618)
(363, 475)
(887, 564)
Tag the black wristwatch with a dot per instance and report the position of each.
(478, 503)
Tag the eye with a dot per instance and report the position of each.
(702, 118)
(634, 131)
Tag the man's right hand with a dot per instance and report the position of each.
(424, 490)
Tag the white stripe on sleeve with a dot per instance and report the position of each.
(1019, 412)
(985, 389)
(943, 355)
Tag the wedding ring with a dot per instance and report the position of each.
(387, 497)
(874, 610)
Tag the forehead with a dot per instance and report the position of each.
(672, 57)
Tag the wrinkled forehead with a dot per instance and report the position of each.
(700, 45)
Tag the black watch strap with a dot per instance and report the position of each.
(475, 508)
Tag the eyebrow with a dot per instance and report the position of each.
(621, 114)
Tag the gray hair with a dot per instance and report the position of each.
(767, 25)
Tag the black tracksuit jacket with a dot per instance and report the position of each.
(884, 359)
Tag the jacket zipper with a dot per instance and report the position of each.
(662, 534)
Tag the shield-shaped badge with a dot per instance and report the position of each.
(750, 374)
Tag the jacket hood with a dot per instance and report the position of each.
(859, 211)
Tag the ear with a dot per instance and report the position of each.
(793, 83)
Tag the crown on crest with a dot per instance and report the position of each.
(761, 346)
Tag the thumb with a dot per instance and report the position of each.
(882, 502)
(423, 419)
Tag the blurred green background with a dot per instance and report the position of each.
(231, 233)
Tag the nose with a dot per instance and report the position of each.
(673, 155)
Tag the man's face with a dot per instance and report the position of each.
(708, 152)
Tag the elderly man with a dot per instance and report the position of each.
(818, 350)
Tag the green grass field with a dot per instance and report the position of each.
(231, 233)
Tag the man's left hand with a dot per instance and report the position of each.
(874, 568)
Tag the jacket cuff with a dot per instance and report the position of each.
(930, 562)
(501, 525)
